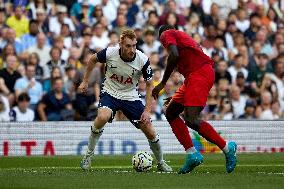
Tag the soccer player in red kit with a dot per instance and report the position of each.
(197, 68)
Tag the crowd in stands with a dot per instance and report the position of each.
(45, 46)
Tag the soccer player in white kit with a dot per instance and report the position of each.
(124, 66)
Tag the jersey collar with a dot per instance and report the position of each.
(124, 59)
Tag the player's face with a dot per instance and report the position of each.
(128, 48)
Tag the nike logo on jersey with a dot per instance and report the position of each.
(111, 66)
(121, 79)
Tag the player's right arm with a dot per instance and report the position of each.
(90, 66)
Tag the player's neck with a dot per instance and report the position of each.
(125, 59)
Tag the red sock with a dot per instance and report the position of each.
(210, 134)
(182, 134)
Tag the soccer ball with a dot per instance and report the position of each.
(142, 161)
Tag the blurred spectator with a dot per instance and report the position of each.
(278, 40)
(2, 19)
(61, 17)
(4, 108)
(264, 111)
(34, 60)
(66, 35)
(153, 20)
(249, 110)
(262, 67)
(18, 21)
(221, 72)
(132, 11)
(213, 16)
(225, 7)
(8, 50)
(110, 9)
(10, 37)
(238, 101)
(194, 25)
(56, 105)
(41, 48)
(213, 101)
(171, 7)
(276, 111)
(168, 93)
(29, 85)
(41, 17)
(119, 24)
(151, 44)
(147, 14)
(69, 81)
(172, 19)
(255, 24)
(225, 110)
(242, 23)
(39, 5)
(97, 15)
(113, 39)
(100, 39)
(91, 98)
(10, 75)
(54, 73)
(261, 36)
(59, 43)
(81, 13)
(22, 112)
(176, 77)
(277, 77)
(29, 39)
(56, 61)
(237, 67)
(245, 89)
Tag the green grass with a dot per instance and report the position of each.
(253, 171)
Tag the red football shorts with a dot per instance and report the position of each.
(196, 87)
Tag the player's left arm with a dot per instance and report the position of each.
(147, 75)
(171, 64)
(145, 117)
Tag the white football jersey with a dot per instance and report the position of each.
(121, 78)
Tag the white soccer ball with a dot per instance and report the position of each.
(142, 161)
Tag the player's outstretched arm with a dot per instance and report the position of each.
(91, 64)
(171, 64)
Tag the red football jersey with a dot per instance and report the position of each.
(191, 56)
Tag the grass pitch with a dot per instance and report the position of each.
(253, 171)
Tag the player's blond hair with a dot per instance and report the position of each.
(128, 33)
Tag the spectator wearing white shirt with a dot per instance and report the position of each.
(242, 22)
(238, 101)
(237, 67)
(61, 17)
(100, 38)
(151, 44)
(22, 112)
(41, 48)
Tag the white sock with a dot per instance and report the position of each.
(156, 148)
(226, 148)
(93, 139)
(191, 150)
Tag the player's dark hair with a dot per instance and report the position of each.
(165, 28)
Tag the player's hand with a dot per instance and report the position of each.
(167, 101)
(145, 118)
(157, 89)
(83, 87)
